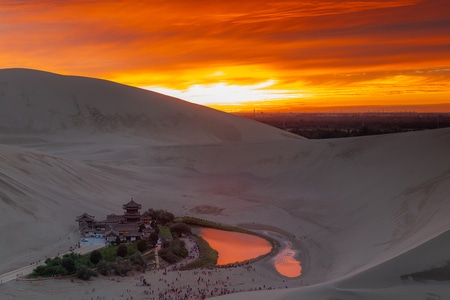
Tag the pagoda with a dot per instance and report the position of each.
(126, 227)
(132, 214)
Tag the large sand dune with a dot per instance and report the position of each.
(363, 210)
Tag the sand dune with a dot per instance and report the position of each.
(361, 211)
(40, 102)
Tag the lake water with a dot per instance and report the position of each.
(285, 262)
(238, 247)
(234, 247)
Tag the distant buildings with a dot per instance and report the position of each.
(129, 227)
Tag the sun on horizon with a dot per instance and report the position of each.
(241, 56)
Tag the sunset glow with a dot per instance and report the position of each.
(243, 55)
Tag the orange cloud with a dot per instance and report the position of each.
(310, 50)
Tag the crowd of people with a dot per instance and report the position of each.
(195, 284)
(170, 283)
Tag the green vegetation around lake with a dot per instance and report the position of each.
(208, 256)
(119, 259)
(164, 232)
(108, 260)
(69, 264)
(210, 224)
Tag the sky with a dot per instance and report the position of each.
(237, 55)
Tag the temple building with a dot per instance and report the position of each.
(132, 214)
(128, 227)
(85, 220)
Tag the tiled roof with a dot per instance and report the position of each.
(132, 204)
(85, 216)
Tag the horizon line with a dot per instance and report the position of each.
(443, 108)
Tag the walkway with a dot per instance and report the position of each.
(24, 271)
(157, 257)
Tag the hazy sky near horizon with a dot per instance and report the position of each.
(282, 55)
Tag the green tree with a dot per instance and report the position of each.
(122, 251)
(179, 248)
(136, 259)
(173, 251)
(95, 257)
(68, 264)
(53, 261)
(165, 217)
(142, 246)
(85, 273)
(121, 267)
(180, 229)
(168, 256)
(41, 271)
(103, 267)
(153, 238)
(151, 213)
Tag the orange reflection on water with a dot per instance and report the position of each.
(286, 264)
(234, 246)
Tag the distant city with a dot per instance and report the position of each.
(337, 125)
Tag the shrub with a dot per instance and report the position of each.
(103, 268)
(95, 257)
(68, 264)
(58, 271)
(180, 229)
(121, 267)
(41, 271)
(153, 238)
(136, 259)
(85, 273)
(168, 256)
(53, 261)
(179, 248)
(122, 251)
(161, 216)
(109, 253)
(142, 246)
(173, 251)
(165, 217)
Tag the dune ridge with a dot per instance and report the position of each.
(40, 102)
(360, 211)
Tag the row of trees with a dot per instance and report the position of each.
(69, 264)
(338, 125)
(115, 259)
(159, 216)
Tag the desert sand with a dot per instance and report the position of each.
(360, 212)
